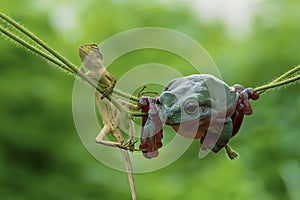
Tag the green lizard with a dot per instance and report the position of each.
(92, 59)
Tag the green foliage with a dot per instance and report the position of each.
(41, 156)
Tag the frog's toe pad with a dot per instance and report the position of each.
(150, 155)
(231, 153)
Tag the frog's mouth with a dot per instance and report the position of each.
(192, 129)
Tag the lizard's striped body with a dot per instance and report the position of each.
(92, 59)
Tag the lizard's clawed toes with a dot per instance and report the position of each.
(107, 92)
(129, 145)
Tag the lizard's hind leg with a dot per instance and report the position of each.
(104, 132)
(117, 135)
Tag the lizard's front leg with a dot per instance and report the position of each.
(110, 87)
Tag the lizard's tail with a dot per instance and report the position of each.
(129, 172)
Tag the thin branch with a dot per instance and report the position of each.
(55, 58)
(272, 85)
(287, 74)
(288, 78)
(38, 41)
(34, 49)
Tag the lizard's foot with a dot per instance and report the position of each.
(82, 70)
(141, 92)
(108, 90)
(126, 146)
(129, 145)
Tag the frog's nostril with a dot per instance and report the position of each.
(203, 108)
(191, 107)
(170, 117)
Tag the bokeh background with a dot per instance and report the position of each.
(252, 42)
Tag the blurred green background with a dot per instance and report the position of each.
(41, 156)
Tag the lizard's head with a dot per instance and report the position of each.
(89, 51)
(90, 56)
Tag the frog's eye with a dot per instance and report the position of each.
(191, 107)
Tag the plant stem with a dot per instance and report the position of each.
(271, 85)
(38, 41)
(284, 76)
(287, 74)
(54, 57)
(34, 49)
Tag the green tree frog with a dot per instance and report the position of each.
(203, 106)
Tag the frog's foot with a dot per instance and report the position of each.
(231, 153)
(245, 95)
(243, 106)
(150, 145)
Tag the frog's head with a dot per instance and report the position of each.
(183, 102)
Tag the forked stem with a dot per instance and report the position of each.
(285, 79)
(54, 57)
(57, 59)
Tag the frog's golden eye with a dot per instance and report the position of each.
(191, 107)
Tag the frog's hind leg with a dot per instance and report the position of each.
(224, 139)
(231, 153)
(224, 136)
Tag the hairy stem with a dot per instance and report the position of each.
(287, 74)
(54, 57)
(38, 41)
(273, 84)
(34, 49)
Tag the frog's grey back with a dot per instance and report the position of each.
(205, 87)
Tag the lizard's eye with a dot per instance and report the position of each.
(191, 107)
(94, 46)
